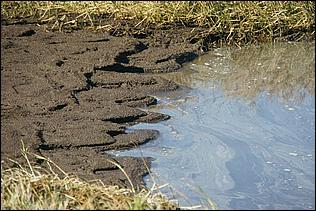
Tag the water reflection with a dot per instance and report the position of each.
(285, 70)
(244, 132)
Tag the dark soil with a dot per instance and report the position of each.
(70, 96)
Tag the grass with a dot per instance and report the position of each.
(236, 21)
(33, 187)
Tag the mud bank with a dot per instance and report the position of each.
(70, 96)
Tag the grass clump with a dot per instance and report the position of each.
(32, 187)
(236, 21)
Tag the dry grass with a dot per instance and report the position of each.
(237, 21)
(32, 187)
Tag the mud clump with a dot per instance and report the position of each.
(70, 97)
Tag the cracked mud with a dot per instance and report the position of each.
(70, 97)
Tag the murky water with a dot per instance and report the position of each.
(243, 135)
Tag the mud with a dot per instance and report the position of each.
(70, 96)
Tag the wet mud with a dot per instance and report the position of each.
(70, 96)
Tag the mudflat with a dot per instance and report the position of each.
(70, 96)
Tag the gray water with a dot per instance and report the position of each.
(242, 134)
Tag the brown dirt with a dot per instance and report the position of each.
(70, 96)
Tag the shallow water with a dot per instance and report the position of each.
(242, 134)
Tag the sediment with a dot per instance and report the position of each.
(71, 96)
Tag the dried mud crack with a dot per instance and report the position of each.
(70, 97)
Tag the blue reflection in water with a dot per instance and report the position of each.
(258, 155)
